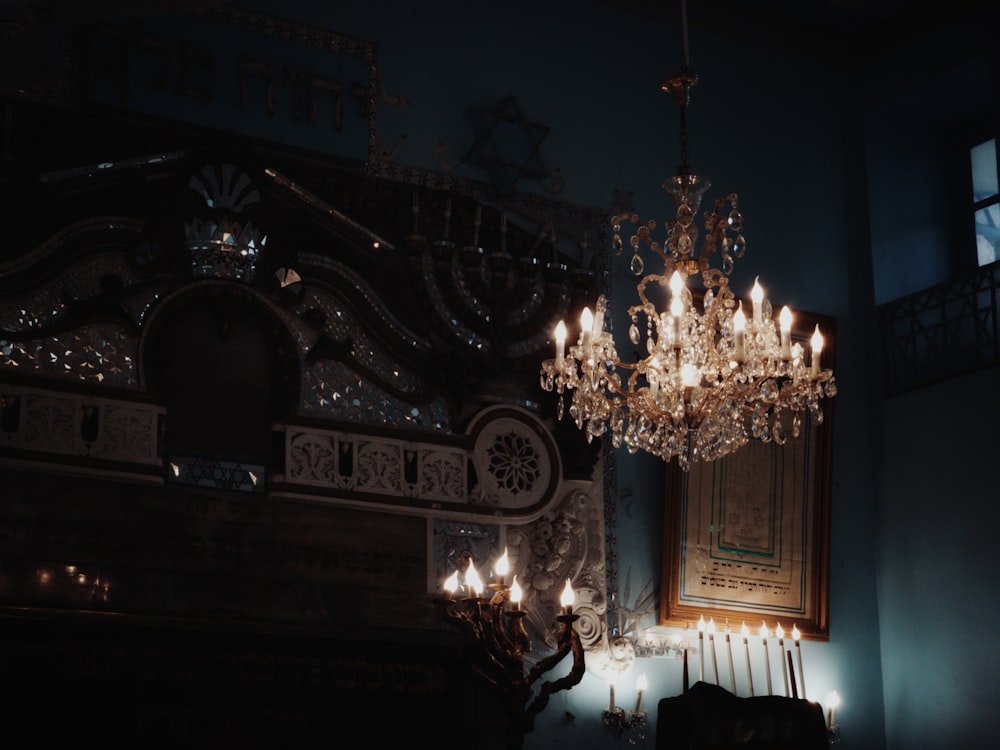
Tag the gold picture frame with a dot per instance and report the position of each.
(746, 537)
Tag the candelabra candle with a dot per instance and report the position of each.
(567, 598)
(780, 632)
(767, 662)
(711, 645)
(701, 648)
(501, 568)
(745, 632)
(640, 686)
(611, 696)
(732, 670)
(515, 595)
(798, 649)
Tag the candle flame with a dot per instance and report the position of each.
(567, 595)
(473, 581)
(739, 318)
(763, 630)
(817, 341)
(779, 631)
(586, 319)
(833, 699)
(785, 319)
(451, 585)
(701, 623)
(711, 625)
(502, 565)
(560, 333)
(515, 591)
(757, 293)
(795, 632)
(744, 631)
(641, 684)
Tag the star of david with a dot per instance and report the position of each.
(507, 145)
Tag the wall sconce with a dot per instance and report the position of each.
(832, 727)
(617, 719)
(497, 639)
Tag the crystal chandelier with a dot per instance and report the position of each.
(713, 376)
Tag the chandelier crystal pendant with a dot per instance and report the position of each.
(714, 376)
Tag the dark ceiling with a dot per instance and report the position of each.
(849, 35)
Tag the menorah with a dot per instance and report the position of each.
(496, 642)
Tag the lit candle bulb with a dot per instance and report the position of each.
(640, 688)
(676, 307)
(560, 343)
(817, 346)
(780, 632)
(501, 567)
(757, 295)
(473, 581)
(745, 632)
(586, 330)
(739, 332)
(701, 648)
(515, 594)
(798, 649)
(732, 669)
(711, 645)
(832, 701)
(785, 319)
(767, 662)
(451, 584)
(567, 598)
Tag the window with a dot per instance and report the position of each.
(986, 201)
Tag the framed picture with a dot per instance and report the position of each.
(746, 537)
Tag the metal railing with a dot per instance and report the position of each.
(941, 332)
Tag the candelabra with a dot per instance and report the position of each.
(634, 721)
(712, 377)
(494, 632)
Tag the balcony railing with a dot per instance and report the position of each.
(941, 332)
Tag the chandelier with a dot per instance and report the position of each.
(713, 376)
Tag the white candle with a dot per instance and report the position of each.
(501, 567)
(786, 332)
(745, 632)
(473, 581)
(701, 648)
(757, 295)
(711, 645)
(732, 670)
(560, 343)
(739, 332)
(586, 330)
(832, 701)
(767, 662)
(780, 632)
(640, 688)
(798, 649)
(817, 348)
